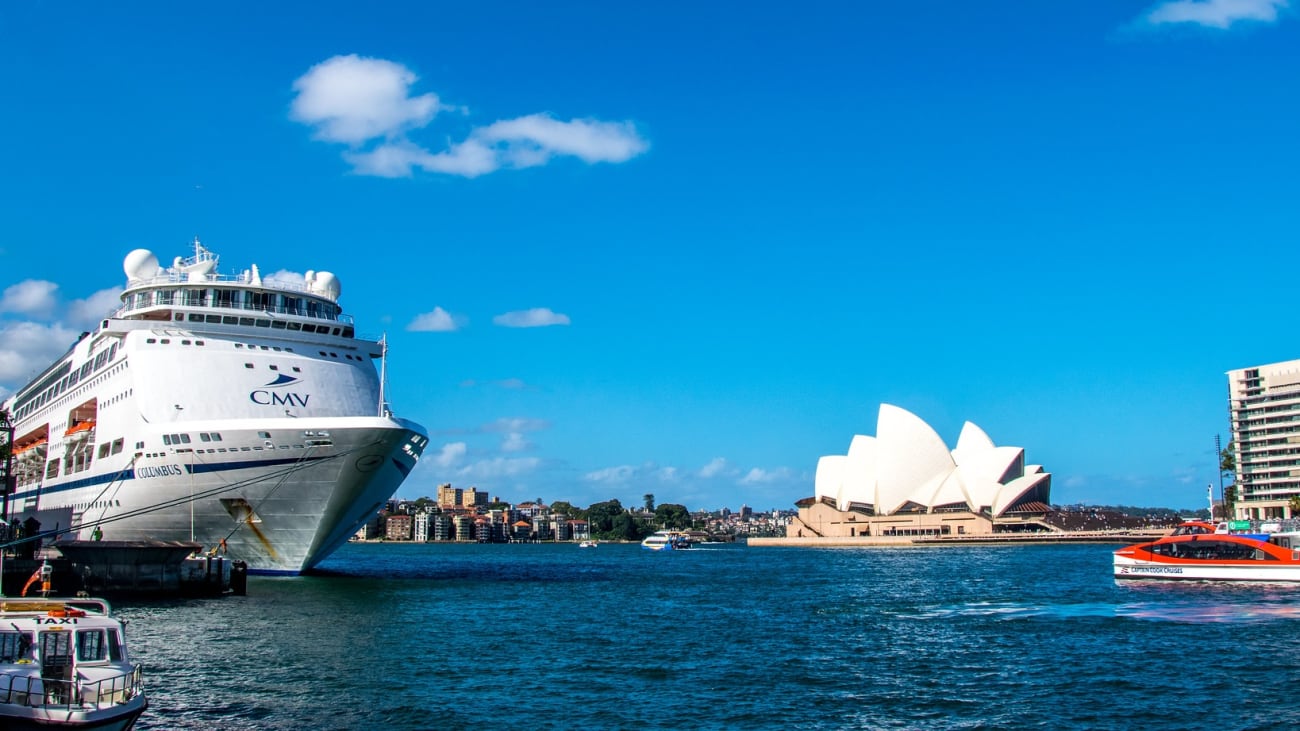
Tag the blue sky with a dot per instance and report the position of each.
(688, 250)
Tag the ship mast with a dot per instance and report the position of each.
(383, 371)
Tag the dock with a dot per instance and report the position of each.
(126, 568)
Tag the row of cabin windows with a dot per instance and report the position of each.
(56, 647)
(170, 439)
(168, 341)
(307, 327)
(107, 449)
(64, 379)
(237, 299)
(276, 348)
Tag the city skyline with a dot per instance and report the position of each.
(688, 250)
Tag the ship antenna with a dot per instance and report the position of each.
(383, 371)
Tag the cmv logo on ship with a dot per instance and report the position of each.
(264, 397)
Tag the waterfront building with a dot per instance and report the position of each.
(905, 481)
(463, 527)
(398, 527)
(420, 527)
(474, 498)
(1264, 408)
(449, 497)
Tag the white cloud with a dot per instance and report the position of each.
(536, 317)
(514, 442)
(91, 310)
(35, 297)
(351, 99)
(534, 139)
(714, 468)
(451, 454)
(286, 277)
(611, 475)
(1215, 13)
(499, 467)
(28, 347)
(437, 321)
(516, 424)
(368, 103)
(758, 476)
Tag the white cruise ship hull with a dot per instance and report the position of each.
(282, 503)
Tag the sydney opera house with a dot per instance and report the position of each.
(905, 482)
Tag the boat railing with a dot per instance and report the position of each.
(56, 694)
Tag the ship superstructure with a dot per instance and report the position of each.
(238, 412)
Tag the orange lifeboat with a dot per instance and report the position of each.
(80, 427)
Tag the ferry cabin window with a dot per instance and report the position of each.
(15, 646)
(56, 649)
(115, 647)
(91, 645)
(117, 445)
(52, 470)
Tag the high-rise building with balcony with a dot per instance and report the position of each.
(1264, 406)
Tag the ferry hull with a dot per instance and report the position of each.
(1129, 568)
(282, 504)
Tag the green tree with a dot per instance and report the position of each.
(649, 499)
(671, 515)
(1229, 501)
(1295, 506)
(601, 518)
(565, 509)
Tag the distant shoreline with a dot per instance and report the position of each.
(1117, 537)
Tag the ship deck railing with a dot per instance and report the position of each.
(34, 691)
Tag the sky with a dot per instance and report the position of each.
(687, 249)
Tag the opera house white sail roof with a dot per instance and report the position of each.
(907, 468)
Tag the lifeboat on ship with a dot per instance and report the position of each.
(80, 430)
(1198, 554)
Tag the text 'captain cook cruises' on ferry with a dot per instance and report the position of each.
(228, 410)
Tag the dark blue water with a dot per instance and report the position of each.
(557, 637)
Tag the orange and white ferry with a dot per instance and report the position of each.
(1200, 551)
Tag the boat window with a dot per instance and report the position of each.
(185, 438)
(185, 342)
(308, 328)
(203, 437)
(115, 647)
(248, 365)
(52, 470)
(228, 320)
(212, 318)
(180, 316)
(275, 367)
(216, 437)
(15, 646)
(117, 445)
(56, 649)
(167, 439)
(196, 318)
(278, 325)
(264, 434)
(263, 323)
(247, 321)
(91, 645)
(103, 451)
(347, 332)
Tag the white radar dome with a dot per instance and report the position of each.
(327, 284)
(140, 264)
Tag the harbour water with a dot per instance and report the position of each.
(720, 637)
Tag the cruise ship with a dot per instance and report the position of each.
(241, 413)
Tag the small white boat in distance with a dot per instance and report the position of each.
(63, 663)
(666, 540)
(588, 544)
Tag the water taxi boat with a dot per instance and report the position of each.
(64, 664)
(1197, 551)
(666, 540)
